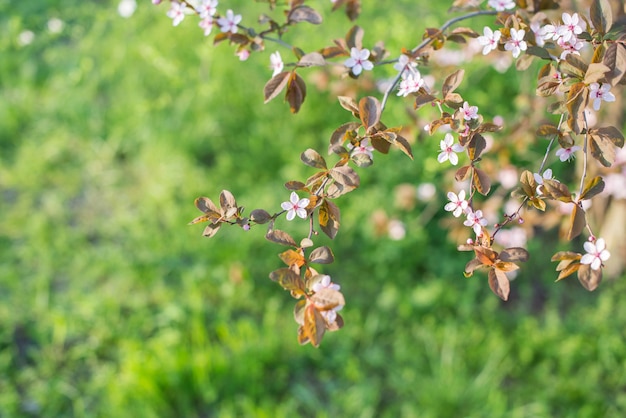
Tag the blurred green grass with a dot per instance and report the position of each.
(111, 306)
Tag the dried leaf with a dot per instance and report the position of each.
(514, 254)
(345, 176)
(294, 185)
(592, 188)
(506, 266)
(499, 284)
(211, 230)
(312, 158)
(601, 16)
(452, 82)
(476, 146)
(311, 59)
(276, 85)
(567, 270)
(588, 277)
(557, 190)
(577, 223)
(327, 299)
(369, 110)
(296, 92)
(482, 181)
(289, 280)
(329, 218)
(304, 14)
(322, 255)
(280, 237)
(260, 216)
(565, 255)
(487, 256)
(292, 257)
(314, 325)
(404, 146)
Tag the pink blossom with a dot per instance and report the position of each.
(363, 148)
(449, 150)
(596, 253)
(207, 25)
(566, 154)
(295, 206)
(405, 65)
(489, 40)
(276, 63)
(573, 46)
(243, 54)
(411, 84)
(599, 93)
(516, 44)
(572, 26)
(229, 22)
(469, 112)
(501, 5)
(358, 60)
(207, 8)
(457, 204)
(176, 13)
(475, 221)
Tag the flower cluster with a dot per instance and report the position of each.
(565, 35)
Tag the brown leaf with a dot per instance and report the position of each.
(601, 16)
(506, 266)
(404, 146)
(595, 73)
(312, 59)
(557, 190)
(471, 266)
(461, 173)
(514, 254)
(292, 257)
(592, 188)
(573, 66)
(588, 277)
(452, 82)
(296, 92)
(228, 203)
(289, 280)
(354, 37)
(482, 181)
(322, 255)
(570, 268)
(327, 299)
(615, 59)
(349, 104)
(565, 255)
(304, 14)
(298, 311)
(499, 284)
(329, 218)
(346, 176)
(577, 223)
(206, 205)
(312, 158)
(294, 185)
(369, 110)
(211, 230)
(314, 326)
(276, 85)
(260, 216)
(487, 256)
(280, 237)
(421, 98)
(576, 103)
(476, 146)
(547, 130)
(601, 149)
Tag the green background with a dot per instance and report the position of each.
(111, 306)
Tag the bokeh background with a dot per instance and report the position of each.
(112, 122)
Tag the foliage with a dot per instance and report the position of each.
(109, 306)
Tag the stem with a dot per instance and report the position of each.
(586, 140)
(545, 157)
(429, 40)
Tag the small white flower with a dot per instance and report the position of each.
(489, 40)
(516, 44)
(475, 221)
(276, 63)
(572, 26)
(207, 8)
(599, 93)
(176, 13)
(295, 206)
(364, 147)
(358, 60)
(457, 205)
(449, 150)
(126, 8)
(411, 84)
(207, 25)
(596, 253)
(325, 283)
(547, 175)
(229, 22)
(469, 112)
(501, 5)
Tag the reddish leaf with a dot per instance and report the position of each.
(557, 190)
(296, 92)
(349, 104)
(298, 311)
(471, 266)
